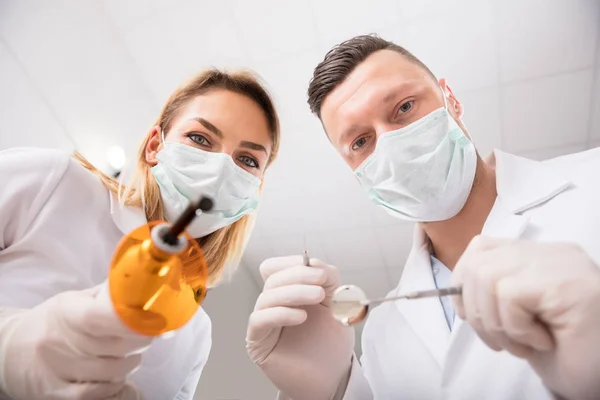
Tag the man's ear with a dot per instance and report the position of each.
(453, 102)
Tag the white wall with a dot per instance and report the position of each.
(230, 374)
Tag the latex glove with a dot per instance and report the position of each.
(292, 335)
(538, 301)
(72, 346)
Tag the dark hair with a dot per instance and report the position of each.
(340, 61)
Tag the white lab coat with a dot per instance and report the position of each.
(59, 227)
(408, 350)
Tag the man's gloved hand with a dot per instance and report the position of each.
(72, 346)
(292, 335)
(538, 301)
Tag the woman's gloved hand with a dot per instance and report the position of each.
(72, 346)
(292, 335)
(538, 301)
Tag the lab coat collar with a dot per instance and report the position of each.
(425, 316)
(126, 218)
(521, 184)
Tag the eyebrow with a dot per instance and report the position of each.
(208, 126)
(253, 146)
(387, 98)
(216, 131)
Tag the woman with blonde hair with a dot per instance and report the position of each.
(61, 219)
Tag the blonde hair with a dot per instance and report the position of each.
(225, 246)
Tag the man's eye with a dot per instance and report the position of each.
(404, 108)
(359, 143)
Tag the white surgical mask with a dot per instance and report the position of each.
(422, 172)
(186, 173)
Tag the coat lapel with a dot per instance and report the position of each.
(522, 184)
(425, 316)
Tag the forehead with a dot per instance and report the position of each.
(381, 72)
(234, 114)
(220, 101)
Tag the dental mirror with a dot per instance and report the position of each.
(350, 305)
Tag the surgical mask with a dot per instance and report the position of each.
(422, 172)
(185, 173)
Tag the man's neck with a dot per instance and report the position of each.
(450, 238)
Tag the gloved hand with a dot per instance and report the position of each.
(292, 335)
(72, 346)
(538, 301)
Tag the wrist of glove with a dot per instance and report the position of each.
(538, 301)
(292, 335)
(72, 346)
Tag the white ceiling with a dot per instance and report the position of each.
(89, 75)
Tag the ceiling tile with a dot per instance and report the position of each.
(546, 112)
(180, 47)
(126, 14)
(160, 73)
(257, 250)
(357, 18)
(482, 118)
(194, 27)
(289, 245)
(395, 242)
(273, 28)
(595, 128)
(539, 38)
(353, 248)
(324, 193)
(551, 152)
(430, 38)
(412, 10)
(287, 78)
(26, 118)
(373, 281)
(97, 94)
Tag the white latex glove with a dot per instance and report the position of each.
(540, 302)
(292, 335)
(72, 346)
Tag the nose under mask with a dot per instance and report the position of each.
(422, 172)
(184, 173)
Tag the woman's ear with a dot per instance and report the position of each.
(153, 145)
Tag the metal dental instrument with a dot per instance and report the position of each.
(351, 306)
(305, 258)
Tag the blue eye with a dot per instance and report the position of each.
(248, 161)
(359, 143)
(404, 108)
(198, 139)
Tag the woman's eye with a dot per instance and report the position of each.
(199, 139)
(404, 108)
(359, 143)
(249, 161)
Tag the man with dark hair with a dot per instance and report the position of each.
(400, 130)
